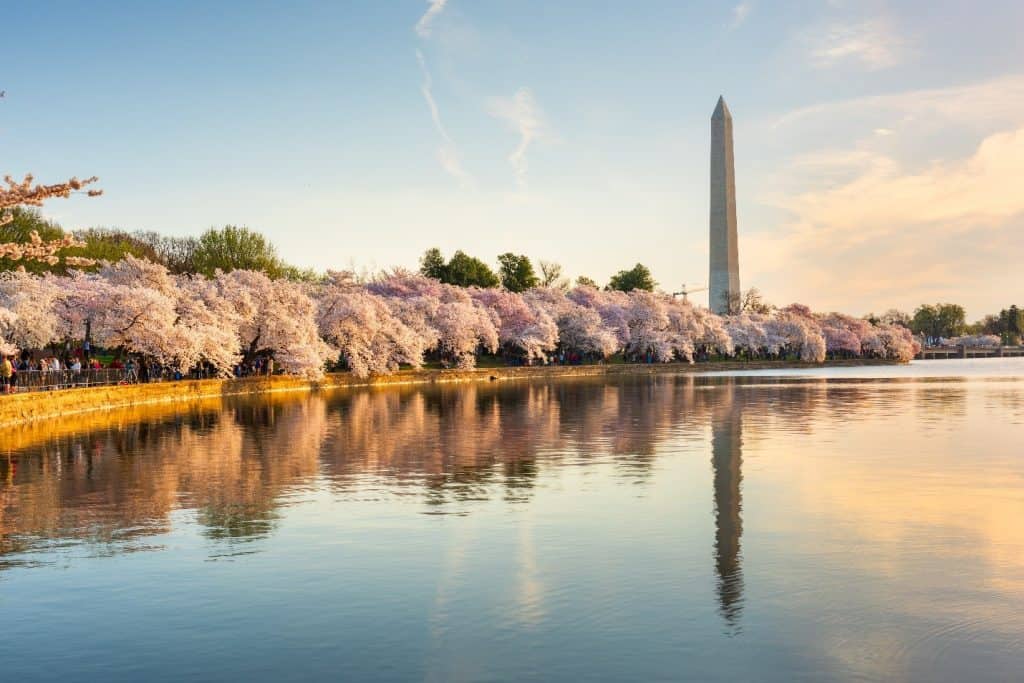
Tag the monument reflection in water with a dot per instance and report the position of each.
(727, 462)
(638, 527)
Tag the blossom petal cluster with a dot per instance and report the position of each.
(27, 192)
(36, 249)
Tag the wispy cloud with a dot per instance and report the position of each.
(447, 153)
(740, 13)
(424, 25)
(523, 115)
(994, 102)
(427, 88)
(870, 44)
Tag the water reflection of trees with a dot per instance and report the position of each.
(116, 485)
(234, 466)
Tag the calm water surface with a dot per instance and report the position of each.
(847, 524)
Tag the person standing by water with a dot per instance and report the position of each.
(6, 373)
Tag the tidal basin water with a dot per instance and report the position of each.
(846, 524)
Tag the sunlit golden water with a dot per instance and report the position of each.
(853, 524)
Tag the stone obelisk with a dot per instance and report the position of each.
(724, 286)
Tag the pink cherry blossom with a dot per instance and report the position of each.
(523, 326)
(276, 316)
(370, 338)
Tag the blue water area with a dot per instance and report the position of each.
(841, 524)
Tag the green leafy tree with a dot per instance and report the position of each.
(236, 248)
(939, 320)
(432, 264)
(1009, 325)
(1012, 322)
(105, 244)
(584, 281)
(462, 269)
(638, 277)
(296, 274)
(516, 272)
(466, 271)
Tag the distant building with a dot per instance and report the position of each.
(724, 285)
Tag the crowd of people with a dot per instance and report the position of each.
(74, 368)
(27, 372)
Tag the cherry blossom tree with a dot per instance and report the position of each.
(278, 317)
(899, 343)
(697, 328)
(748, 334)
(612, 306)
(795, 330)
(582, 330)
(31, 301)
(136, 318)
(204, 328)
(523, 327)
(455, 325)
(366, 333)
(207, 326)
(843, 334)
(399, 318)
(463, 328)
(366, 330)
(649, 334)
(138, 272)
(8, 320)
(403, 284)
(80, 299)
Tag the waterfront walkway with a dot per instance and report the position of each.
(935, 352)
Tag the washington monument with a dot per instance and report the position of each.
(724, 282)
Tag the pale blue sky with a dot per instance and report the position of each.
(876, 143)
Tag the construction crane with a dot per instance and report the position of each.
(685, 291)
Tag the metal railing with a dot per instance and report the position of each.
(39, 380)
